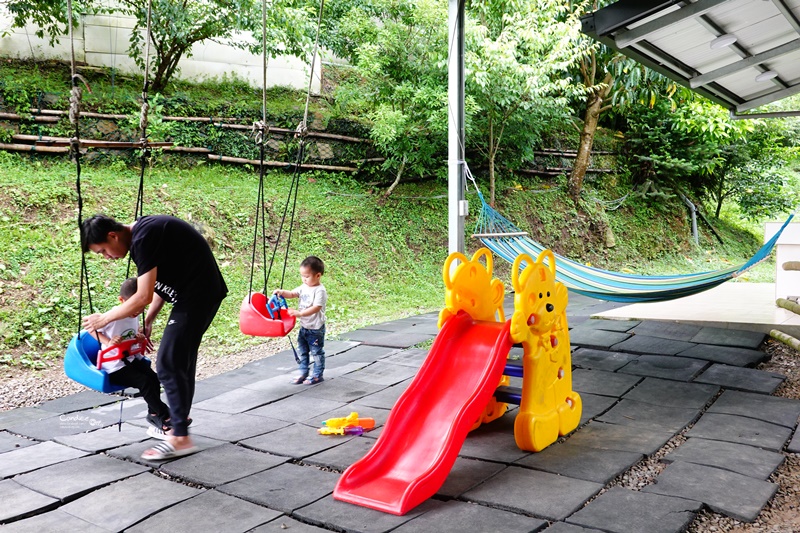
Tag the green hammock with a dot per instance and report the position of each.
(506, 240)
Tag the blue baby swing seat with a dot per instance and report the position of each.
(80, 364)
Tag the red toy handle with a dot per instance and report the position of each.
(118, 351)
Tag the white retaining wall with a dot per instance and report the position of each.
(102, 41)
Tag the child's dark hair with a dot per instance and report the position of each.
(95, 230)
(314, 263)
(128, 288)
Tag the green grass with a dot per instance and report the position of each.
(381, 262)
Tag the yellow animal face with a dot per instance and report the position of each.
(539, 299)
(471, 288)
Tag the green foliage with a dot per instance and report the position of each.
(399, 49)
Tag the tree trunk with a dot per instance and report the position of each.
(396, 180)
(585, 147)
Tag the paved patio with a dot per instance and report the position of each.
(66, 465)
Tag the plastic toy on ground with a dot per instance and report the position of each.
(347, 425)
(260, 317)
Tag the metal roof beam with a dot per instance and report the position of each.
(620, 14)
(768, 98)
(788, 14)
(748, 62)
(628, 37)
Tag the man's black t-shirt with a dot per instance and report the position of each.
(187, 271)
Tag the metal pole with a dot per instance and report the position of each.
(456, 205)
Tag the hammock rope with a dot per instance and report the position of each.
(506, 240)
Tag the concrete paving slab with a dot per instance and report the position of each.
(672, 393)
(232, 427)
(210, 511)
(742, 430)
(729, 337)
(389, 340)
(603, 383)
(381, 373)
(9, 442)
(666, 367)
(494, 442)
(22, 415)
(386, 398)
(241, 400)
(296, 441)
(624, 438)
(279, 364)
(782, 411)
(532, 492)
(203, 390)
(649, 416)
(342, 389)
(284, 522)
(794, 445)
(105, 438)
(666, 330)
(580, 462)
(79, 401)
(34, 457)
(621, 326)
(592, 359)
(297, 408)
(143, 496)
(53, 521)
(745, 379)
(334, 370)
(70, 479)
(594, 406)
(108, 415)
(285, 488)
(746, 460)
(133, 452)
(59, 426)
(740, 497)
(466, 474)
(361, 354)
(335, 347)
(644, 344)
(412, 357)
(595, 338)
(345, 452)
(20, 502)
(221, 464)
(563, 527)
(458, 517)
(727, 355)
(341, 516)
(627, 511)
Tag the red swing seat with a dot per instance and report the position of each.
(254, 318)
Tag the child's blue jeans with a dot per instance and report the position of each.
(311, 344)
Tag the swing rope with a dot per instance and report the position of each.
(75, 154)
(145, 157)
(261, 130)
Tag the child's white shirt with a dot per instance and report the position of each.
(127, 328)
(309, 297)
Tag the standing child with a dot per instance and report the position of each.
(311, 310)
(133, 371)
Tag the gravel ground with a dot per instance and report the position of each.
(19, 388)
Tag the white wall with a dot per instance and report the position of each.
(102, 41)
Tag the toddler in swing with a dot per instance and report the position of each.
(134, 371)
(311, 310)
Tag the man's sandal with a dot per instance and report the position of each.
(165, 450)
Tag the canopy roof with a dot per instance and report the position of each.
(693, 44)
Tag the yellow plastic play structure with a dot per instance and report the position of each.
(549, 408)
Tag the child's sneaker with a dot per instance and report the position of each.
(314, 380)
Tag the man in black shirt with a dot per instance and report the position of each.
(174, 264)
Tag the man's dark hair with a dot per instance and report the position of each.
(314, 263)
(128, 288)
(95, 230)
